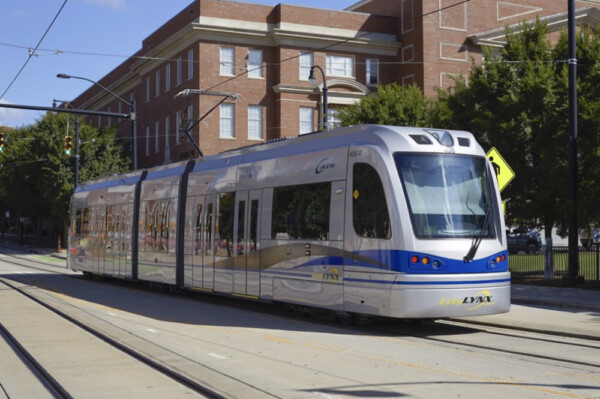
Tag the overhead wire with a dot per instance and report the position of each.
(32, 52)
(246, 71)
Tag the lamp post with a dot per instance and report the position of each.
(131, 105)
(68, 103)
(313, 80)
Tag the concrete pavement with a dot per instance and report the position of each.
(569, 312)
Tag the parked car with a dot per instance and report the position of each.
(589, 236)
(528, 241)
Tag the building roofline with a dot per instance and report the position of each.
(589, 16)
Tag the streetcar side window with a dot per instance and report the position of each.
(370, 215)
(301, 212)
(224, 225)
(77, 221)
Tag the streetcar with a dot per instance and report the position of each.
(399, 222)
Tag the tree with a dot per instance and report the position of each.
(39, 178)
(393, 105)
(518, 103)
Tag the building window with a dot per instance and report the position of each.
(168, 77)
(306, 62)
(190, 64)
(333, 120)
(178, 71)
(147, 88)
(227, 61)
(147, 140)
(109, 124)
(189, 116)
(255, 60)
(370, 216)
(156, 135)
(255, 113)
(372, 72)
(338, 65)
(157, 84)
(226, 121)
(178, 128)
(167, 132)
(306, 120)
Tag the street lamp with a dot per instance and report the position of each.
(313, 80)
(131, 111)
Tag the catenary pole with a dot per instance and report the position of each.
(573, 206)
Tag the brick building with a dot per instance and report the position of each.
(264, 54)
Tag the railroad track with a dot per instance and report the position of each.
(443, 336)
(50, 381)
(41, 374)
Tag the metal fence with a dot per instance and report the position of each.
(527, 267)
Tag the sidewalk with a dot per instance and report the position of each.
(567, 312)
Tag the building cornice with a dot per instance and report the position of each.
(589, 16)
(296, 35)
(358, 90)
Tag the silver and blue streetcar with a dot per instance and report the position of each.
(371, 220)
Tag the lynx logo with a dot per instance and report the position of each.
(480, 299)
(333, 276)
(324, 164)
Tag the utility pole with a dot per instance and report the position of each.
(573, 206)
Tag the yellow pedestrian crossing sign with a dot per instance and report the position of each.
(504, 173)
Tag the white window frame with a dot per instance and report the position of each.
(156, 135)
(255, 122)
(306, 62)
(227, 121)
(179, 62)
(333, 121)
(190, 64)
(255, 63)
(340, 65)
(307, 119)
(227, 61)
(148, 88)
(157, 84)
(167, 77)
(167, 128)
(189, 114)
(178, 128)
(372, 77)
(147, 140)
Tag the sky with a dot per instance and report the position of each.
(88, 38)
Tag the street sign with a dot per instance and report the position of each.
(504, 174)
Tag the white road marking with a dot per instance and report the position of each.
(217, 356)
(152, 330)
(325, 395)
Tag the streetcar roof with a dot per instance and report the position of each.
(395, 138)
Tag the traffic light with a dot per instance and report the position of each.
(68, 145)
(1, 141)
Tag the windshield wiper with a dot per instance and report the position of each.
(477, 239)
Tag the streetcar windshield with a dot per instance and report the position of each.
(448, 195)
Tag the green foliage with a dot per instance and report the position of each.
(393, 105)
(39, 178)
(518, 103)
